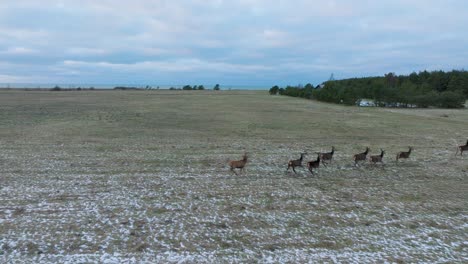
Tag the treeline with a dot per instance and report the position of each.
(58, 88)
(295, 91)
(188, 87)
(423, 89)
(124, 88)
(217, 87)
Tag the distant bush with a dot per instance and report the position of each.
(195, 87)
(274, 90)
(126, 88)
(294, 91)
(56, 88)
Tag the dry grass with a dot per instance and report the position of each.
(124, 175)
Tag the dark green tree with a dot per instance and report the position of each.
(274, 90)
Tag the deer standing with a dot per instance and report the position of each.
(327, 156)
(238, 164)
(462, 148)
(314, 164)
(296, 163)
(404, 154)
(360, 157)
(377, 158)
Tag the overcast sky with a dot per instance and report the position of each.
(238, 42)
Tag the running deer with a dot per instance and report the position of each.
(377, 158)
(238, 164)
(360, 157)
(296, 163)
(314, 164)
(327, 156)
(404, 154)
(462, 148)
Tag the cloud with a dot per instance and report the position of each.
(183, 65)
(23, 79)
(86, 51)
(18, 51)
(21, 34)
(12, 79)
(233, 41)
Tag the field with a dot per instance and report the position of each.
(125, 176)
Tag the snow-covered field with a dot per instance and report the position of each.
(122, 177)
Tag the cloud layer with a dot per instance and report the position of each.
(244, 42)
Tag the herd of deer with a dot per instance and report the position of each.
(326, 157)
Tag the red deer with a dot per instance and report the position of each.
(327, 156)
(360, 157)
(377, 158)
(404, 154)
(296, 163)
(462, 148)
(314, 164)
(238, 164)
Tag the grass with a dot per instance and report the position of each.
(143, 174)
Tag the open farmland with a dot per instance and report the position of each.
(115, 176)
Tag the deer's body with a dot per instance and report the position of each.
(404, 154)
(314, 164)
(238, 164)
(462, 148)
(327, 156)
(296, 163)
(377, 158)
(360, 157)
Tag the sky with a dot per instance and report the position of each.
(237, 42)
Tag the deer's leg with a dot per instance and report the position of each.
(294, 170)
(232, 169)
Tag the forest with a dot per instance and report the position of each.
(424, 89)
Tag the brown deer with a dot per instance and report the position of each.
(314, 164)
(238, 164)
(462, 148)
(360, 156)
(377, 158)
(296, 163)
(404, 154)
(327, 156)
